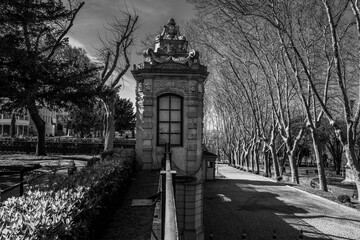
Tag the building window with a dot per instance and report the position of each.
(7, 115)
(170, 123)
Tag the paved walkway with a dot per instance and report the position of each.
(130, 223)
(257, 205)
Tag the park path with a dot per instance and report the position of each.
(242, 201)
(134, 223)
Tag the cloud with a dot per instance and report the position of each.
(153, 15)
(75, 43)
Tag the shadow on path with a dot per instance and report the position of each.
(233, 206)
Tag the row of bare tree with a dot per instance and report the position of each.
(280, 68)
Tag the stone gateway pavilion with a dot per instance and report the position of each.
(169, 101)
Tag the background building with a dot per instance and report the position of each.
(24, 126)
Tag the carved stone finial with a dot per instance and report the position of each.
(170, 30)
(171, 22)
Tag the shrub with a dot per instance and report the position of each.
(67, 207)
(40, 213)
(106, 153)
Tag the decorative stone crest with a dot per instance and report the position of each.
(171, 47)
(148, 87)
(182, 85)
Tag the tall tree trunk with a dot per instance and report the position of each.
(237, 160)
(337, 166)
(352, 160)
(266, 160)
(109, 103)
(319, 161)
(251, 153)
(234, 157)
(256, 157)
(40, 127)
(241, 157)
(275, 160)
(247, 158)
(293, 166)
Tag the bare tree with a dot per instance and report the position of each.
(115, 54)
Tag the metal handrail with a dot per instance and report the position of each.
(170, 231)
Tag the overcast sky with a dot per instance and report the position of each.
(153, 14)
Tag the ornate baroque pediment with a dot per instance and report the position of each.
(171, 47)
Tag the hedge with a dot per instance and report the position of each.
(69, 207)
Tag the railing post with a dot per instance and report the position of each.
(169, 230)
(163, 203)
(173, 174)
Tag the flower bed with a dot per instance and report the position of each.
(68, 207)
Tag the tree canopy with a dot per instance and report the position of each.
(124, 115)
(38, 68)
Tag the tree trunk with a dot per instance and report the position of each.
(299, 157)
(293, 167)
(275, 160)
(319, 162)
(238, 159)
(246, 158)
(251, 152)
(256, 156)
(337, 166)
(242, 160)
(234, 157)
(266, 160)
(110, 123)
(40, 127)
(230, 157)
(353, 163)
